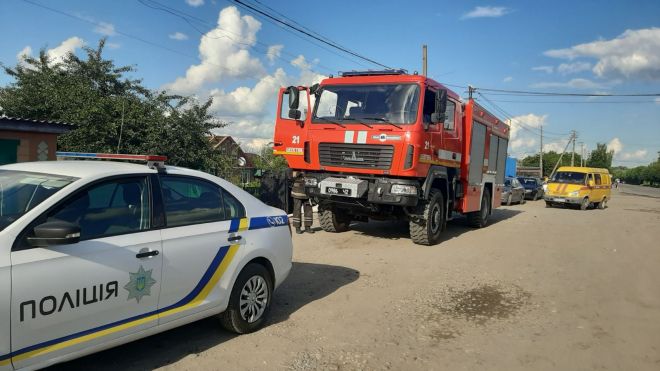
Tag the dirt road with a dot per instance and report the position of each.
(538, 289)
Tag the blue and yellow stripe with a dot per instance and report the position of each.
(196, 297)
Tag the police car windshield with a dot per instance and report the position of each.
(21, 191)
(372, 103)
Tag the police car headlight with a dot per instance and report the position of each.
(574, 194)
(403, 189)
(311, 182)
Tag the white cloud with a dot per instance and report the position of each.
(635, 54)
(546, 69)
(195, 3)
(640, 154)
(486, 12)
(573, 84)
(67, 46)
(274, 52)
(25, 52)
(522, 134)
(180, 36)
(105, 28)
(569, 68)
(113, 45)
(507, 79)
(657, 100)
(556, 146)
(615, 145)
(222, 56)
(248, 101)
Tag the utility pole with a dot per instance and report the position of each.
(424, 61)
(573, 153)
(562, 154)
(541, 155)
(582, 154)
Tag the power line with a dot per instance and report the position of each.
(309, 34)
(521, 92)
(574, 102)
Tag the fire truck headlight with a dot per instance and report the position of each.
(403, 189)
(311, 182)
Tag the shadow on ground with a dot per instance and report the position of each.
(307, 283)
(394, 230)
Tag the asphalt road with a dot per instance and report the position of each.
(538, 289)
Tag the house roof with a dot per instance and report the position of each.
(39, 126)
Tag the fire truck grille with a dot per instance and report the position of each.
(363, 156)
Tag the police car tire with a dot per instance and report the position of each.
(231, 318)
(332, 221)
(479, 219)
(421, 232)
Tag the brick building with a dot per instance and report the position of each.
(23, 140)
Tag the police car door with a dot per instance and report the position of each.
(205, 226)
(78, 296)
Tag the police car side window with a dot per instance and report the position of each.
(107, 209)
(194, 201)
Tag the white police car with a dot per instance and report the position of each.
(94, 254)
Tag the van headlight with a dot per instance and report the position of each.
(403, 189)
(574, 194)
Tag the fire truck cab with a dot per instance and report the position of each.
(390, 145)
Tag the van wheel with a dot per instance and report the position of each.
(250, 300)
(603, 204)
(479, 219)
(427, 232)
(584, 204)
(548, 204)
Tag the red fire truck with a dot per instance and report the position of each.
(390, 145)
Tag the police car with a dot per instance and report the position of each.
(94, 254)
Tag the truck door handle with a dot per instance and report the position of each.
(146, 254)
(234, 238)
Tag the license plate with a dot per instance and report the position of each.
(338, 191)
(559, 200)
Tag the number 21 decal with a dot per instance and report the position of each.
(295, 139)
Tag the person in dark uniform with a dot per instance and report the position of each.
(301, 203)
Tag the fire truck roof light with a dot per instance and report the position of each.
(112, 156)
(374, 72)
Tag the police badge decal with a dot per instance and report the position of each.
(139, 284)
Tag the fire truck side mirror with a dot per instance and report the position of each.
(440, 107)
(294, 97)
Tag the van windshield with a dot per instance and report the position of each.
(569, 177)
(21, 191)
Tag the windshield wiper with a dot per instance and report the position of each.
(358, 121)
(380, 119)
(329, 120)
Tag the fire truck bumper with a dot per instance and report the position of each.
(401, 192)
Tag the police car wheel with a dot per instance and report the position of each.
(250, 300)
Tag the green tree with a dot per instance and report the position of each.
(112, 112)
(600, 157)
(549, 160)
(267, 161)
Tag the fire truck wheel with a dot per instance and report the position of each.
(479, 219)
(333, 220)
(427, 232)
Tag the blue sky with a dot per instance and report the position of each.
(552, 46)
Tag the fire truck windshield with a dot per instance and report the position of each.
(372, 103)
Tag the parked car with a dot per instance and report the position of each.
(533, 187)
(513, 191)
(96, 254)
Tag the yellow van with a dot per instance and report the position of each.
(579, 186)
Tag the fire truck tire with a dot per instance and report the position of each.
(333, 221)
(427, 232)
(479, 219)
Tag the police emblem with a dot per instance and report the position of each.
(139, 284)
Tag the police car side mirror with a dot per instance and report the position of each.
(54, 233)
